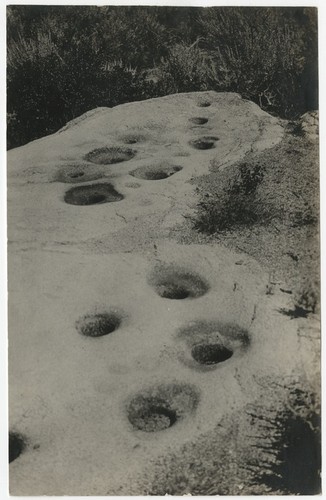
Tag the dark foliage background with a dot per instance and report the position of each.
(65, 60)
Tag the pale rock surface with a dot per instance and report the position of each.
(69, 393)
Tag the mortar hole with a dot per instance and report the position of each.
(92, 194)
(198, 120)
(156, 176)
(156, 415)
(159, 408)
(173, 291)
(203, 104)
(96, 198)
(71, 173)
(204, 142)
(172, 282)
(210, 354)
(155, 173)
(97, 325)
(107, 156)
(16, 445)
(133, 138)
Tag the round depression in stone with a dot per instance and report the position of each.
(160, 407)
(155, 173)
(175, 283)
(207, 142)
(217, 332)
(133, 138)
(198, 120)
(109, 155)
(152, 415)
(204, 104)
(98, 325)
(92, 194)
(210, 354)
(209, 343)
(73, 174)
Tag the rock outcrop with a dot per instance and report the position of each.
(125, 346)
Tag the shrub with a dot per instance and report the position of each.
(63, 61)
(247, 179)
(135, 35)
(51, 82)
(235, 204)
(308, 297)
(186, 69)
(265, 54)
(59, 68)
(306, 301)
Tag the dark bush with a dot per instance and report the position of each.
(186, 69)
(60, 66)
(64, 61)
(265, 54)
(236, 205)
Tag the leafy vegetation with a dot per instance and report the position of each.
(235, 203)
(265, 54)
(268, 207)
(65, 60)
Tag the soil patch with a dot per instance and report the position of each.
(282, 459)
(277, 222)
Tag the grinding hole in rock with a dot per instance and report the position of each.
(106, 156)
(98, 325)
(77, 173)
(214, 332)
(159, 408)
(210, 354)
(155, 173)
(198, 120)
(173, 282)
(133, 138)
(210, 343)
(92, 194)
(16, 445)
(173, 291)
(204, 104)
(155, 415)
(204, 142)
